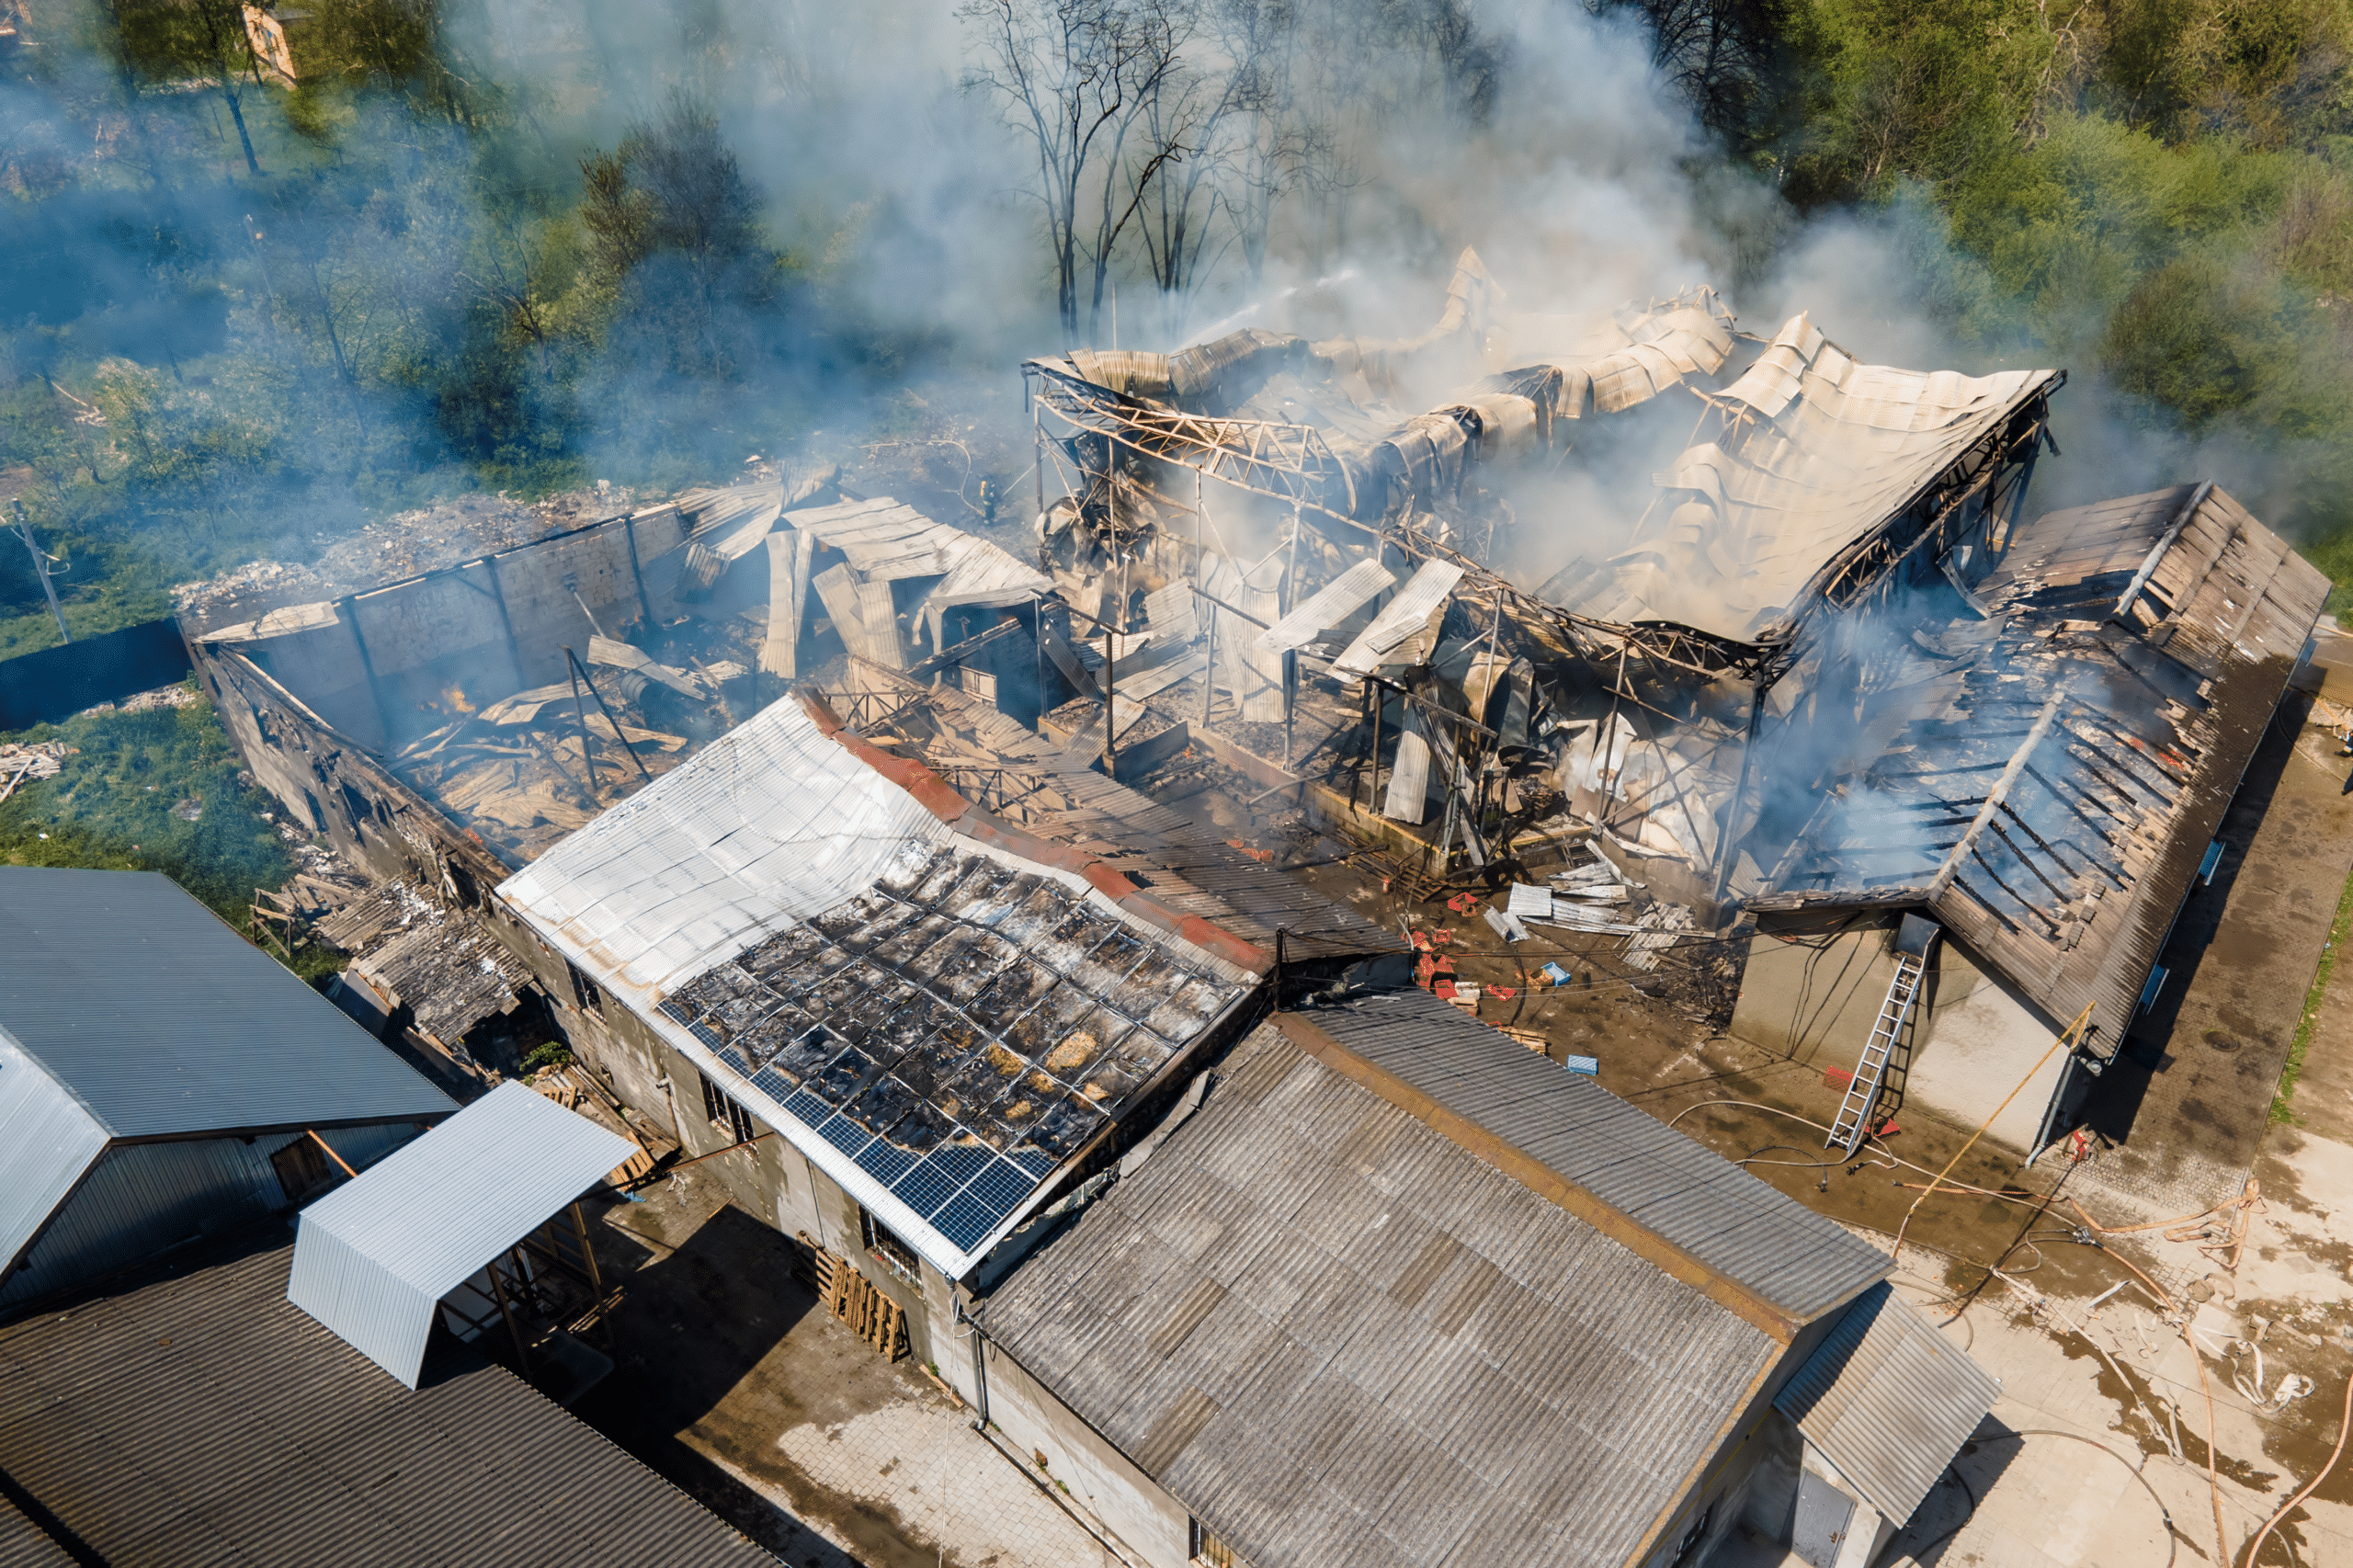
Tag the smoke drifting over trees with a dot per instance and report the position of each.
(523, 243)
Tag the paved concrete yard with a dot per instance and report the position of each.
(734, 1383)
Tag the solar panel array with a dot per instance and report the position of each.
(958, 1030)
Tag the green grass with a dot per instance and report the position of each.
(111, 809)
(2338, 931)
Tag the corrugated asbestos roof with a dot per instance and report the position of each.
(24, 1544)
(1890, 1400)
(1775, 1247)
(937, 1025)
(47, 1142)
(374, 1256)
(1188, 865)
(160, 1020)
(2116, 731)
(203, 1420)
(1342, 1341)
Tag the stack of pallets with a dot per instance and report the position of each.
(853, 1298)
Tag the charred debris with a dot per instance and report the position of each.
(1733, 619)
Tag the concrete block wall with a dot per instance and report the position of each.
(1811, 994)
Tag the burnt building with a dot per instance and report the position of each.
(1827, 669)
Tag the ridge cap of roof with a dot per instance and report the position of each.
(1578, 1200)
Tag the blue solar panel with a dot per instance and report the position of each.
(704, 1035)
(773, 1083)
(1001, 1187)
(845, 1135)
(928, 1184)
(1034, 1160)
(807, 1108)
(885, 1160)
(960, 1162)
(735, 1058)
(672, 1009)
(964, 1223)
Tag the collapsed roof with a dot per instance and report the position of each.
(492, 687)
(941, 1011)
(1833, 599)
(2047, 778)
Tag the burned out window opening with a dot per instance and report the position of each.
(884, 1246)
(587, 995)
(1205, 1547)
(725, 1114)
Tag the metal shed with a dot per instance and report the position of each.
(157, 1074)
(373, 1259)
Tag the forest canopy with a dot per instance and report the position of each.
(272, 273)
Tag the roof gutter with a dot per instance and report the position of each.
(936, 795)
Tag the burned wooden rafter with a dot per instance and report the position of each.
(958, 652)
(1283, 462)
(2042, 727)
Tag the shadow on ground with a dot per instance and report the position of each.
(721, 1350)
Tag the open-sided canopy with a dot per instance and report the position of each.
(372, 1257)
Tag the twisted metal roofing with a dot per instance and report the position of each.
(1816, 453)
(2047, 781)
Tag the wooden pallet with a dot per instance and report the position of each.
(850, 1296)
(559, 1086)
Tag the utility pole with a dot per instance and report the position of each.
(42, 558)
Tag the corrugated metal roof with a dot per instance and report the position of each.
(1890, 1400)
(768, 824)
(140, 1199)
(2137, 652)
(47, 1142)
(1341, 1339)
(160, 1020)
(960, 1032)
(935, 1023)
(374, 1255)
(202, 1420)
(1798, 1260)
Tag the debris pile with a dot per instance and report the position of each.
(532, 766)
(179, 694)
(37, 759)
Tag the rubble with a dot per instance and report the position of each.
(35, 759)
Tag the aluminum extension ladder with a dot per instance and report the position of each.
(1862, 1091)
